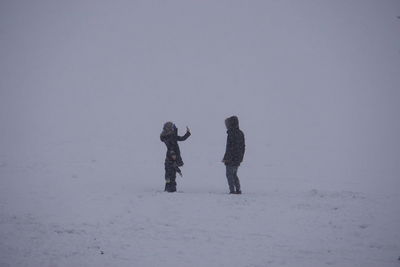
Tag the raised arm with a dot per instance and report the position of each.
(186, 136)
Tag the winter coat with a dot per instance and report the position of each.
(235, 144)
(170, 137)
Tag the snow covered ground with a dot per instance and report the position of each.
(86, 86)
(103, 220)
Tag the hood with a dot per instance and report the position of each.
(232, 122)
(168, 128)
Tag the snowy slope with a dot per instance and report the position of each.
(86, 86)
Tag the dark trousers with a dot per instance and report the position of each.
(170, 178)
(233, 179)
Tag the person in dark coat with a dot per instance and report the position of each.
(234, 153)
(170, 137)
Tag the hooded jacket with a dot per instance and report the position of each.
(170, 138)
(235, 143)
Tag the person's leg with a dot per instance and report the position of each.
(169, 178)
(166, 177)
(230, 178)
(237, 181)
(173, 184)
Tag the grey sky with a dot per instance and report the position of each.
(314, 83)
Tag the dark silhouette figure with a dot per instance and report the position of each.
(173, 159)
(234, 153)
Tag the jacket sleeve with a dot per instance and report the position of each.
(242, 147)
(229, 148)
(183, 138)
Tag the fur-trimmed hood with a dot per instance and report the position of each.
(169, 128)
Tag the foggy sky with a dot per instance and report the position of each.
(315, 83)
